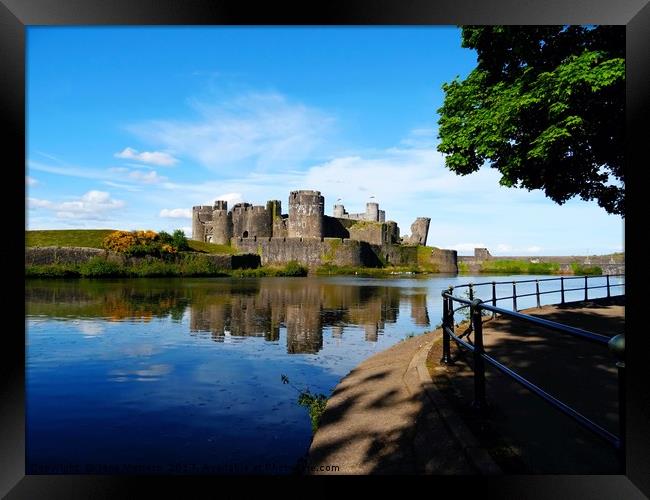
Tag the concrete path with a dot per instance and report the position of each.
(381, 419)
(579, 373)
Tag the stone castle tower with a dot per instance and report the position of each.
(306, 212)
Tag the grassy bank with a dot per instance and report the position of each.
(368, 272)
(188, 266)
(519, 267)
(512, 266)
(90, 238)
(93, 238)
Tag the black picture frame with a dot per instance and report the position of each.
(15, 15)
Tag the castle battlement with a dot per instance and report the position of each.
(305, 221)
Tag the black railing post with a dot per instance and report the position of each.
(514, 296)
(586, 294)
(562, 289)
(608, 292)
(471, 291)
(537, 292)
(479, 363)
(617, 346)
(494, 297)
(446, 347)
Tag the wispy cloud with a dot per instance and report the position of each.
(176, 213)
(30, 181)
(150, 177)
(254, 129)
(158, 158)
(91, 205)
(466, 247)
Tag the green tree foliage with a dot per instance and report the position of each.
(179, 241)
(544, 106)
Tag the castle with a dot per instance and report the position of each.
(306, 219)
(307, 235)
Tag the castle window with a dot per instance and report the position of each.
(245, 235)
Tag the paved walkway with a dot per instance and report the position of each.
(387, 417)
(380, 420)
(579, 373)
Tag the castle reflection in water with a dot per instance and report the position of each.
(248, 308)
(305, 308)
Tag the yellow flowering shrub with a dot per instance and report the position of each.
(119, 241)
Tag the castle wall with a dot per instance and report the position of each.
(372, 232)
(445, 260)
(280, 227)
(201, 218)
(221, 227)
(311, 252)
(79, 255)
(251, 221)
(306, 212)
(334, 227)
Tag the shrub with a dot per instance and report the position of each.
(51, 271)
(179, 241)
(119, 241)
(98, 267)
(294, 268)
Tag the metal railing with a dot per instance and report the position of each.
(477, 307)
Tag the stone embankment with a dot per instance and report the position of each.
(79, 255)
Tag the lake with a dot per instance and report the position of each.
(185, 375)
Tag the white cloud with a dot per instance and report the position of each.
(176, 213)
(534, 249)
(150, 157)
(90, 328)
(502, 247)
(150, 177)
(30, 181)
(91, 205)
(466, 247)
(262, 129)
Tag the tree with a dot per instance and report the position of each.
(545, 106)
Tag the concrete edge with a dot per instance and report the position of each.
(477, 455)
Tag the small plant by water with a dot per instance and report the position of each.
(315, 403)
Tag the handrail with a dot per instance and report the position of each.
(477, 306)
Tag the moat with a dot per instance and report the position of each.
(184, 376)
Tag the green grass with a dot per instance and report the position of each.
(368, 272)
(200, 246)
(190, 265)
(91, 238)
(292, 268)
(519, 267)
(581, 270)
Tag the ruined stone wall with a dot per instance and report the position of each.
(334, 227)
(311, 252)
(306, 212)
(62, 255)
(396, 255)
(445, 260)
(280, 226)
(419, 232)
(374, 233)
(79, 255)
(608, 264)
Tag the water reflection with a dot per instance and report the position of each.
(225, 309)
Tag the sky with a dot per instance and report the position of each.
(129, 127)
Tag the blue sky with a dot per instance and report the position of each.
(129, 127)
